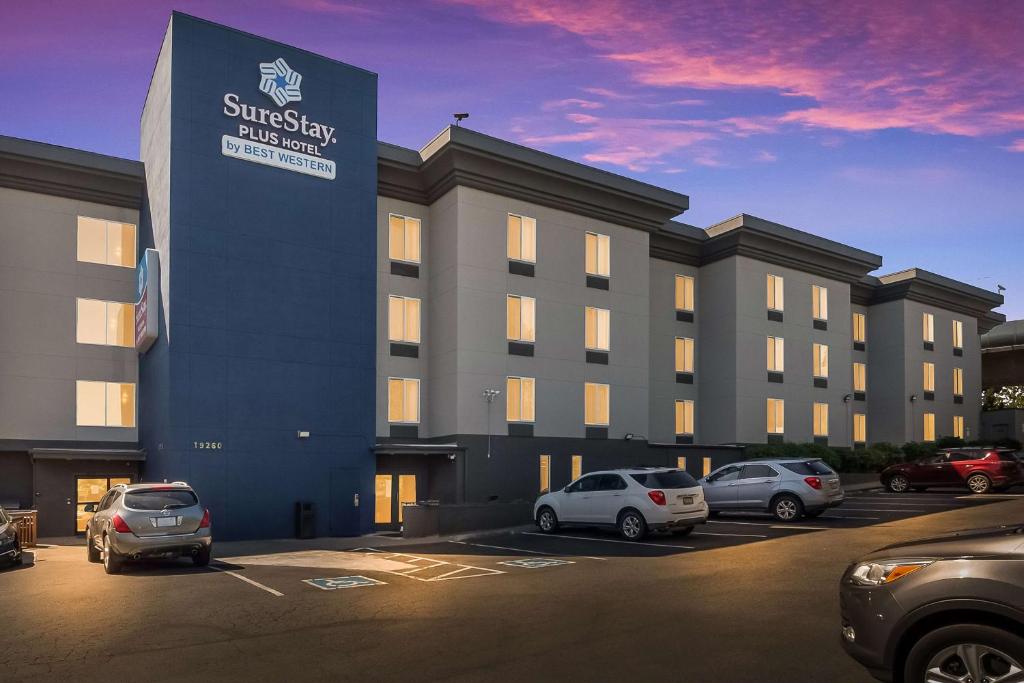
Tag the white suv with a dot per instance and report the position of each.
(634, 501)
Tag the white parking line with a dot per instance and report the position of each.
(716, 533)
(916, 503)
(983, 496)
(722, 521)
(847, 517)
(247, 580)
(800, 528)
(502, 547)
(608, 540)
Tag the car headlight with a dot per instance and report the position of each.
(885, 572)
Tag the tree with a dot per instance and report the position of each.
(1003, 397)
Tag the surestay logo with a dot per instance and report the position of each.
(279, 82)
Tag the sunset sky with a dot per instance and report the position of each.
(897, 127)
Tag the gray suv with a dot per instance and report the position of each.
(787, 488)
(135, 521)
(948, 608)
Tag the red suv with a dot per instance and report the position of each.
(980, 469)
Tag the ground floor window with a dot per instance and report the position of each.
(706, 467)
(958, 426)
(89, 490)
(545, 473)
(681, 462)
(577, 467)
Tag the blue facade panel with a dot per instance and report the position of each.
(271, 297)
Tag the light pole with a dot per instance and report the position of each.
(913, 417)
(489, 396)
(849, 418)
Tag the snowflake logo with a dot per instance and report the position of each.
(279, 82)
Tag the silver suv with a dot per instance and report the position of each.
(787, 488)
(136, 521)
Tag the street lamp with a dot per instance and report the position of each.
(849, 417)
(489, 396)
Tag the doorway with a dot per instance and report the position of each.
(392, 492)
(91, 490)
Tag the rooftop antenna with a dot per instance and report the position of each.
(460, 116)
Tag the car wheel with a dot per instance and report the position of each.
(965, 652)
(547, 521)
(685, 531)
(93, 552)
(632, 525)
(979, 483)
(111, 561)
(787, 508)
(898, 483)
(202, 558)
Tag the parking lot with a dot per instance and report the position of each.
(742, 598)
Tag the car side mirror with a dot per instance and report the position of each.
(566, 490)
(89, 507)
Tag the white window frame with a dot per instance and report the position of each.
(819, 414)
(958, 334)
(819, 300)
(862, 385)
(520, 416)
(860, 321)
(958, 382)
(405, 239)
(819, 360)
(106, 321)
(928, 376)
(776, 293)
(685, 287)
(688, 347)
(532, 307)
(928, 427)
(406, 302)
(928, 327)
(958, 426)
(688, 417)
(405, 408)
(607, 408)
(602, 323)
(776, 414)
(107, 386)
(527, 237)
(776, 347)
(860, 427)
(599, 241)
(133, 262)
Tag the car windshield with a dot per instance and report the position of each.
(808, 467)
(676, 479)
(159, 499)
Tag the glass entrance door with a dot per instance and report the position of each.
(391, 493)
(91, 490)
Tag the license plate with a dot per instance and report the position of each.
(687, 500)
(160, 522)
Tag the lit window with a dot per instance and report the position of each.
(404, 238)
(577, 467)
(958, 334)
(681, 462)
(928, 371)
(860, 428)
(105, 322)
(520, 318)
(860, 377)
(706, 467)
(821, 419)
(104, 404)
(519, 393)
(107, 242)
(928, 327)
(859, 328)
(776, 416)
(819, 302)
(958, 426)
(596, 404)
(820, 360)
(403, 400)
(522, 238)
(598, 254)
(684, 354)
(597, 328)
(545, 473)
(929, 426)
(684, 293)
(404, 319)
(776, 354)
(775, 298)
(958, 381)
(684, 417)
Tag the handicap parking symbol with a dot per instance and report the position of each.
(536, 562)
(343, 582)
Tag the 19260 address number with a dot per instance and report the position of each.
(208, 445)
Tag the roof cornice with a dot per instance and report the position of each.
(930, 289)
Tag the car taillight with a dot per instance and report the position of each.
(813, 482)
(120, 526)
(205, 524)
(657, 496)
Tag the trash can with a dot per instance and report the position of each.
(305, 520)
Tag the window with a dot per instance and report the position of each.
(859, 328)
(958, 426)
(105, 322)
(958, 334)
(705, 467)
(819, 302)
(820, 360)
(776, 354)
(929, 426)
(520, 310)
(860, 428)
(776, 416)
(519, 399)
(596, 404)
(775, 299)
(610, 482)
(545, 473)
(404, 319)
(681, 462)
(107, 242)
(403, 400)
(684, 417)
(684, 354)
(928, 327)
(821, 419)
(860, 377)
(684, 293)
(522, 238)
(958, 381)
(730, 473)
(104, 404)
(928, 371)
(598, 254)
(597, 328)
(577, 467)
(758, 472)
(808, 467)
(665, 480)
(404, 238)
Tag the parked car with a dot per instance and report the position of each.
(10, 543)
(634, 501)
(949, 608)
(134, 521)
(788, 489)
(979, 469)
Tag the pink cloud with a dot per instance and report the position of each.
(1016, 145)
(573, 102)
(766, 156)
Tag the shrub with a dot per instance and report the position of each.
(912, 450)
